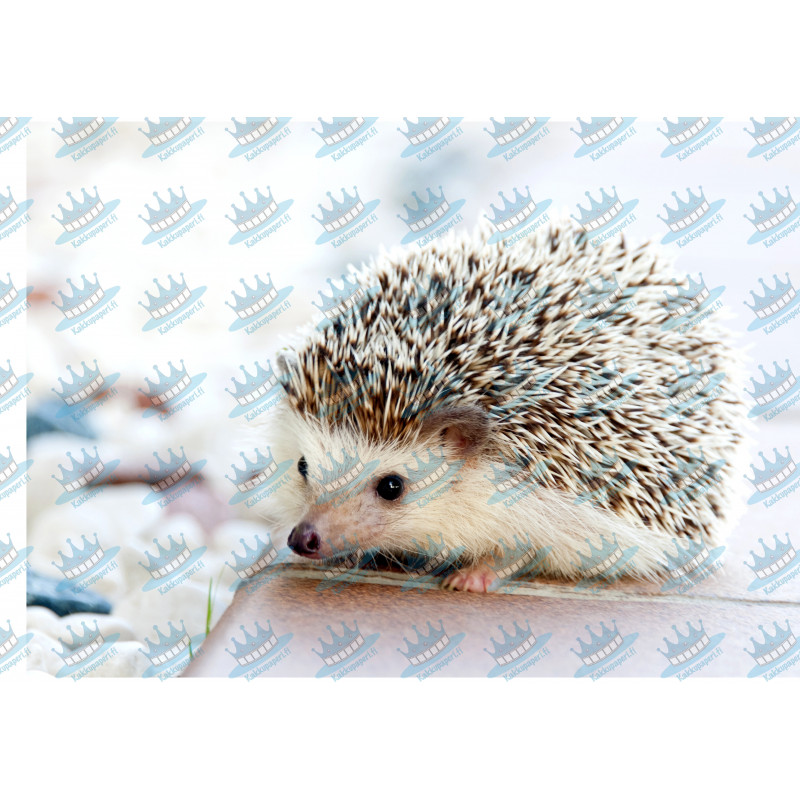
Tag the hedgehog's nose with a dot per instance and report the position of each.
(304, 540)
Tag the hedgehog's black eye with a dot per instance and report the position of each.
(302, 466)
(390, 487)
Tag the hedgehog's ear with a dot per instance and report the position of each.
(464, 429)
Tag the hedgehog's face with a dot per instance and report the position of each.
(348, 494)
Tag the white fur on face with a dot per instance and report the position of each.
(346, 517)
(460, 518)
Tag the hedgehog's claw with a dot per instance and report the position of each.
(471, 579)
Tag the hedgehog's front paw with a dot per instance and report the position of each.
(471, 579)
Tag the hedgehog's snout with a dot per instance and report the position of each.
(304, 540)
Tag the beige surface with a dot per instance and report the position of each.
(292, 604)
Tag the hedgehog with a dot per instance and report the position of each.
(547, 397)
